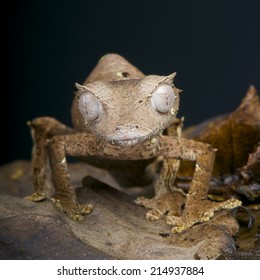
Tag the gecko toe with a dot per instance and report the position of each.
(85, 209)
(37, 196)
(199, 212)
(154, 214)
(74, 210)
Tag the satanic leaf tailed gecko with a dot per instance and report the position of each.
(119, 114)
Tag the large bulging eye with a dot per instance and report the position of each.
(163, 98)
(89, 106)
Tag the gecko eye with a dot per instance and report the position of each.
(163, 98)
(89, 106)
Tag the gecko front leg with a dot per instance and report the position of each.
(51, 140)
(42, 130)
(197, 207)
(64, 197)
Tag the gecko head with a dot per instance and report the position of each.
(126, 112)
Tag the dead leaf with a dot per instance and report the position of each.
(235, 135)
(249, 185)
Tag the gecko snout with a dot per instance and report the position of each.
(129, 134)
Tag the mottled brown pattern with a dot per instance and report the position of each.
(124, 124)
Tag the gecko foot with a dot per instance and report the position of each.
(199, 212)
(37, 196)
(74, 210)
(167, 203)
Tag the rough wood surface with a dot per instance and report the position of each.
(116, 229)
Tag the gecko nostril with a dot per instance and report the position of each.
(117, 128)
(137, 126)
(125, 74)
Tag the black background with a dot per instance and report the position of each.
(213, 45)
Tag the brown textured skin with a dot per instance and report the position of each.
(125, 93)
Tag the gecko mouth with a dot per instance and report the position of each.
(128, 142)
(130, 135)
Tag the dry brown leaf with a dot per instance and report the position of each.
(235, 136)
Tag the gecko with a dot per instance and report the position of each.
(121, 115)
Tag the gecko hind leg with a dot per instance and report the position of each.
(168, 200)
